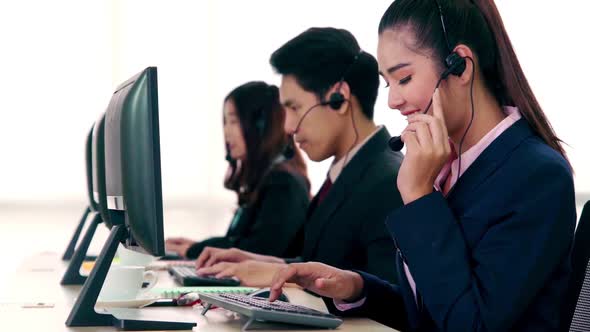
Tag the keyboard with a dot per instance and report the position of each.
(166, 265)
(170, 256)
(187, 276)
(259, 308)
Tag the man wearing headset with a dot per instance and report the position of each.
(329, 87)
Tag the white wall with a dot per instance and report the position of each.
(61, 60)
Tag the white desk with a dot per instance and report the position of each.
(37, 280)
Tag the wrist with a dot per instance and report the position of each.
(269, 259)
(409, 197)
(277, 260)
(185, 250)
(357, 286)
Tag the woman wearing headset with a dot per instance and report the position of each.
(272, 188)
(485, 232)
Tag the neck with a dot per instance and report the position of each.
(487, 114)
(348, 140)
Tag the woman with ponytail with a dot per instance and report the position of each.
(485, 233)
(272, 187)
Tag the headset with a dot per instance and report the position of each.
(289, 150)
(260, 114)
(260, 126)
(455, 65)
(260, 120)
(336, 99)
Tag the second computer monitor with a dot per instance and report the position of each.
(132, 162)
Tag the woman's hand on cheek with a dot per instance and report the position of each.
(427, 150)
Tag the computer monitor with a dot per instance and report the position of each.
(132, 163)
(132, 192)
(91, 207)
(97, 201)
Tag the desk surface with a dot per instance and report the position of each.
(37, 280)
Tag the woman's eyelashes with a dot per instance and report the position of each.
(405, 80)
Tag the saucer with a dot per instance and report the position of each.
(130, 303)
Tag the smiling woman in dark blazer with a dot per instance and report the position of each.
(485, 233)
(272, 190)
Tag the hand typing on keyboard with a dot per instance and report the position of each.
(211, 256)
(321, 279)
(179, 245)
(187, 276)
(250, 273)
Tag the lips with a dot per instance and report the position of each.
(409, 112)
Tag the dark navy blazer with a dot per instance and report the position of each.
(494, 255)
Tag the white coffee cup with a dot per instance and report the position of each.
(124, 283)
(133, 258)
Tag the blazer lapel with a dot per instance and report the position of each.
(489, 160)
(351, 174)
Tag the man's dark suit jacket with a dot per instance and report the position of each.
(347, 229)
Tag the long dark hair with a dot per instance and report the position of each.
(477, 24)
(261, 117)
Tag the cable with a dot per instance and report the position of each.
(356, 135)
(472, 116)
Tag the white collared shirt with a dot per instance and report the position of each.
(337, 167)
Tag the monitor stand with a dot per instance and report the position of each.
(83, 313)
(72, 275)
(72, 245)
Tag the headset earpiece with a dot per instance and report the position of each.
(228, 157)
(260, 125)
(336, 100)
(455, 65)
(454, 62)
(289, 150)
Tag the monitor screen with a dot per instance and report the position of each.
(132, 162)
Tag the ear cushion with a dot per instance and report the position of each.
(289, 150)
(455, 65)
(336, 100)
(260, 126)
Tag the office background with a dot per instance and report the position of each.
(62, 59)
